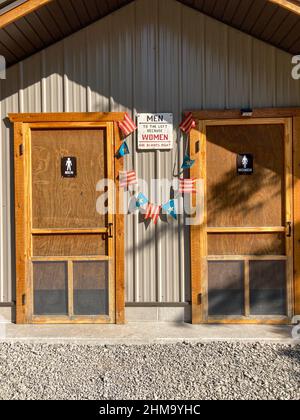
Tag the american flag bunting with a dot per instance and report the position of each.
(170, 208)
(187, 163)
(187, 186)
(153, 212)
(188, 123)
(127, 126)
(127, 179)
(124, 150)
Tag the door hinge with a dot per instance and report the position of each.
(23, 300)
(21, 149)
(289, 229)
(200, 299)
(110, 230)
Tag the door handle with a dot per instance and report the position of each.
(289, 229)
(110, 230)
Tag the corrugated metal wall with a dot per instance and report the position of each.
(150, 56)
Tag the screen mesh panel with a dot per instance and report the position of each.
(268, 294)
(50, 285)
(91, 281)
(225, 288)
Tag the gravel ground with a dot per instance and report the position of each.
(218, 370)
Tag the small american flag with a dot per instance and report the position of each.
(127, 179)
(127, 126)
(188, 123)
(153, 212)
(187, 186)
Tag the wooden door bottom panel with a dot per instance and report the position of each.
(75, 259)
(247, 258)
(74, 320)
(275, 229)
(251, 321)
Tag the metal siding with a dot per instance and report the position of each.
(98, 67)
(75, 72)
(53, 79)
(7, 244)
(216, 64)
(140, 243)
(169, 98)
(264, 75)
(31, 84)
(149, 56)
(239, 69)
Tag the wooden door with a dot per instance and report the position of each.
(69, 246)
(247, 252)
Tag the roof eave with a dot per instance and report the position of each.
(20, 11)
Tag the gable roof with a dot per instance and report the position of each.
(28, 26)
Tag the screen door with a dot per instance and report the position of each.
(71, 242)
(248, 227)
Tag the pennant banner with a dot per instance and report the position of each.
(188, 123)
(170, 209)
(187, 186)
(127, 179)
(124, 150)
(187, 162)
(141, 200)
(153, 212)
(127, 126)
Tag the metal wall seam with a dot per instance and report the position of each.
(239, 69)
(2, 174)
(158, 271)
(134, 155)
(144, 286)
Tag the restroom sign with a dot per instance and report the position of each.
(245, 164)
(155, 131)
(69, 167)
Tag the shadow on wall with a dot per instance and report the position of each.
(150, 63)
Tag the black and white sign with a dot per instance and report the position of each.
(245, 164)
(155, 131)
(69, 167)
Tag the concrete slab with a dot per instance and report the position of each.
(144, 333)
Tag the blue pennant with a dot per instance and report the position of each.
(170, 209)
(124, 150)
(187, 162)
(141, 200)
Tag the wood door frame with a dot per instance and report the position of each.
(197, 236)
(22, 123)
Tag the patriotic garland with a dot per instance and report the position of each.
(129, 178)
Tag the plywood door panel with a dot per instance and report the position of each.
(69, 245)
(246, 244)
(67, 203)
(242, 201)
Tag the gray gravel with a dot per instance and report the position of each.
(219, 370)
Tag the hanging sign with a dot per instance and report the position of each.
(155, 131)
(245, 164)
(69, 167)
